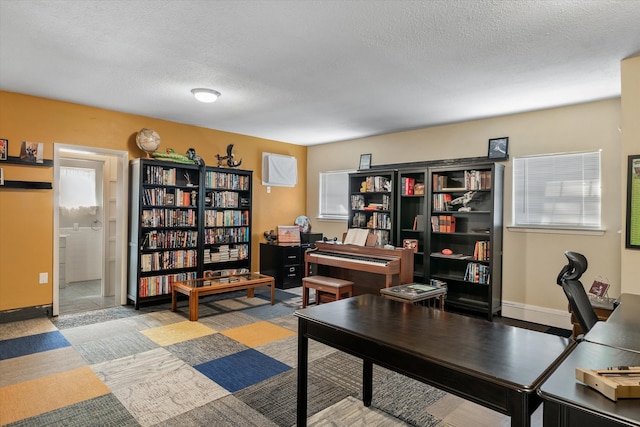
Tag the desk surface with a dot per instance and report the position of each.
(622, 328)
(513, 357)
(562, 388)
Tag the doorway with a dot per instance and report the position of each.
(90, 228)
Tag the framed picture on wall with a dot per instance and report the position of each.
(499, 148)
(365, 161)
(4, 148)
(633, 203)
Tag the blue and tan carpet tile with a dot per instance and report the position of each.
(235, 366)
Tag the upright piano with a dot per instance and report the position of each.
(369, 268)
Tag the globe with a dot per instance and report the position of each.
(148, 140)
(304, 223)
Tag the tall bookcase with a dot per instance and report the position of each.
(411, 214)
(185, 221)
(371, 203)
(464, 237)
(227, 220)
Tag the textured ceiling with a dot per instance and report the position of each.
(309, 72)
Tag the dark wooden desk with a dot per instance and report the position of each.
(622, 328)
(494, 365)
(569, 403)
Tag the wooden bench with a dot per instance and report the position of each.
(324, 284)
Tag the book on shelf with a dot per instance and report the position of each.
(407, 186)
(419, 223)
(482, 251)
(418, 189)
(443, 223)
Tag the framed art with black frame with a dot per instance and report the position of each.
(633, 203)
(365, 161)
(4, 149)
(499, 148)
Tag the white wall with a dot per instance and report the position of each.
(531, 260)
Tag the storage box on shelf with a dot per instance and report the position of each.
(464, 240)
(371, 203)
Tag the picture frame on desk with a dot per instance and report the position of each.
(633, 203)
(365, 161)
(499, 148)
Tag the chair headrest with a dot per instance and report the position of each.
(574, 269)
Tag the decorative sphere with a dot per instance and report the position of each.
(148, 140)
(304, 223)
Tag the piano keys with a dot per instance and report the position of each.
(370, 268)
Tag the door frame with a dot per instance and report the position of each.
(121, 217)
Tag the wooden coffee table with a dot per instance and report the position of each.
(196, 288)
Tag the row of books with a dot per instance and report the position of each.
(471, 180)
(377, 183)
(409, 187)
(230, 181)
(160, 176)
(162, 285)
(159, 196)
(226, 253)
(170, 239)
(222, 199)
(441, 201)
(382, 237)
(379, 220)
(443, 223)
(482, 251)
(477, 273)
(168, 218)
(226, 218)
(168, 260)
(226, 235)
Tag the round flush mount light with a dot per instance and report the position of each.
(205, 95)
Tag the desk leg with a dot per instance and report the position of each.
(367, 382)
(174, 299)
(520, 416)
(303, 350)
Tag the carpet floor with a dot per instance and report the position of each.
(235, 366)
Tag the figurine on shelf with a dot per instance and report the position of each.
(271, 237)
(192, 155)
(229, 158)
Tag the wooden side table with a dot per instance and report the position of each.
(415, 293)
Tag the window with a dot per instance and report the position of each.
(334, 195)
(78, 190)
(557, 190)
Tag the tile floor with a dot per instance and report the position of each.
(77, 297)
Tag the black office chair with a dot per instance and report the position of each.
(578, 300)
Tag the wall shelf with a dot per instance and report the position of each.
(15, 160)
(27, 185)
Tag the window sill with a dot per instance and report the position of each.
(332, 218)
(556, 230)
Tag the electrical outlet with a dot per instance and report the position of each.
(44, 278)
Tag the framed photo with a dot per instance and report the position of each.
(633, 203)
(499, 148)
(288, 234)
(365, 161)
(32, 152)
(4, 148)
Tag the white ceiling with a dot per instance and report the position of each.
(316, 71)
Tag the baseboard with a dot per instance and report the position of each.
(26, 313)
(535, 314)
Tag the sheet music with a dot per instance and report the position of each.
(356, 236)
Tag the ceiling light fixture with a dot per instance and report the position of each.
(205, 95)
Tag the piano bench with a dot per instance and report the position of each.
(329, 285)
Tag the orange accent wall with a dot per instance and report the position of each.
(26, 216)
